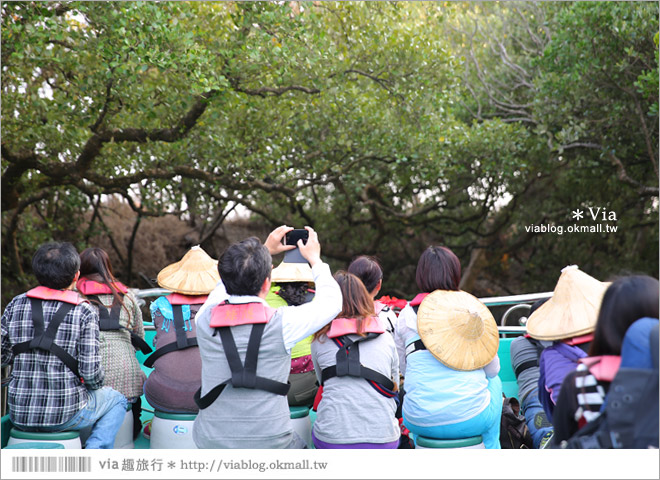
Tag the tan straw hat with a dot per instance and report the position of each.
(292, 272)
(195, 274)
(572, 310)
(458, 329)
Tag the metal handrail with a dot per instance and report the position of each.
(514, 299)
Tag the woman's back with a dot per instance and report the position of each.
(352, 410)
(122, 370)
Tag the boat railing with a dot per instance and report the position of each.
(512, 320)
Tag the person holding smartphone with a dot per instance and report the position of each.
(245, 345)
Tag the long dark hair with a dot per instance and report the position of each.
(95, 261)
(628, 299)
(356, 302)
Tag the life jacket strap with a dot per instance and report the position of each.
(415, 346)
(242, 376)
(44, 338)
(182, 341)
(348, 364)
(109, 320)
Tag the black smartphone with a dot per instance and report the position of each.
(293, 236)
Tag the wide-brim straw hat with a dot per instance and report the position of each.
(572, 310)
(458, 329)
(292, 272)
(195, 274)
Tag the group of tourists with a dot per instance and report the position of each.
(239, 342)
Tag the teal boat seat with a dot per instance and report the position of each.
(43, 435)
(299, 412)
(181, 417)
(427, 442)
(35, 445)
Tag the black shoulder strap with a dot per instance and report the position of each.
(416, 346)
(182, 341)
(242, 376)
(348, 364)
(109, 320)
(44, 338)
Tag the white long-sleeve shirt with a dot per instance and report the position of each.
(298, 322)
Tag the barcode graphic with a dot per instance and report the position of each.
(51, 464)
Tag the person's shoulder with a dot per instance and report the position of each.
(16, 301)
(85, 308)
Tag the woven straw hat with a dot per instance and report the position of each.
(195, 274)
(458, 329)
(292, 272)
(572, 310)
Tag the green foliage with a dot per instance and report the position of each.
(386, 126)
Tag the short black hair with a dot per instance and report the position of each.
(626, 300)
(438, 269)
(55, 264)
(244, 267)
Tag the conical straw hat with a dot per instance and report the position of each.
(572, 310)
(195, 274)
(292, 272)
(458, 329)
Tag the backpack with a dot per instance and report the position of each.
(630, 417)
(514, 432)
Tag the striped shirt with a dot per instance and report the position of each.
(42, 390)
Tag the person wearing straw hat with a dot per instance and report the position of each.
(293, 284)
(451, 385)
(583, 391)
(177, 364)
(246, 345)
(568, 319)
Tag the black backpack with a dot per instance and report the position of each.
(514, 432)
(630, 418)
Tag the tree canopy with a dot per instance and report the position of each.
(385, 126)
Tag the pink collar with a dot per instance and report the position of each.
(418, 299)
(231, 315)
(604, 367)
(345, 326)
(579, 340)
(180, 299)
(379, 306)
(91, 287)
(45, 293)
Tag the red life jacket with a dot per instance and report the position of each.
(109, 316)
(177, 300)
(417, 301)
(91, 287)
(180, 299)
(580, 340)
(44, 338)
(224, 317)
(348, 355)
